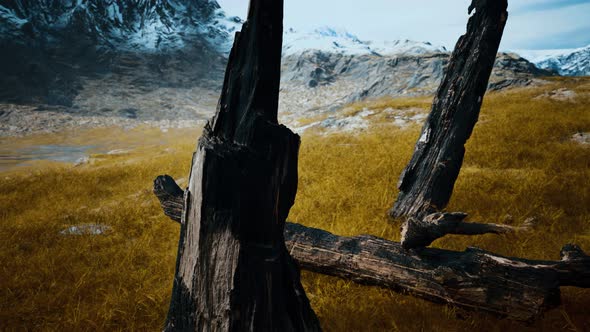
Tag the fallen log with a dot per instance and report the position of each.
(427, 182)
(233, 271)
(474, 279)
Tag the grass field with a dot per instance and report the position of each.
(520, 163)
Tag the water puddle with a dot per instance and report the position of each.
(59, 153)
(77, 146)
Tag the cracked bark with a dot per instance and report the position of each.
(427, 182)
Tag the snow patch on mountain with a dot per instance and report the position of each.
(325, 39)
(409, 47)
(536, 56)
(567, 62)
(339, 41)
(222, 29)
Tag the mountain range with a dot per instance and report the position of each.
(51, 50)
(566, 62)
(164, 59)
(331, 40)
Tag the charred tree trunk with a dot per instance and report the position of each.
(517, 288)
(427, 182)
(233, 270)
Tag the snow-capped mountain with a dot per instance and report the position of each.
(51, 49)
(567, 62)
(326, 68)
(142, 25)
(339, 41)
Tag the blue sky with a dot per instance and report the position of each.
(532, 24)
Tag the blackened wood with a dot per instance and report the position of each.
(233, 270)
(475, 279)
(427, 182)
(170, 195)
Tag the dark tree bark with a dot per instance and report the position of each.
(233, 270)
(516, 288)
(427, 182)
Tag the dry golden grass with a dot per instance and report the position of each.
(520, 162)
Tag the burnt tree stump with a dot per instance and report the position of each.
(233, 271)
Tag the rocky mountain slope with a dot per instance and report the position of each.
(54, 51)
(117, 24)
(566, 62)
(326, 69)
